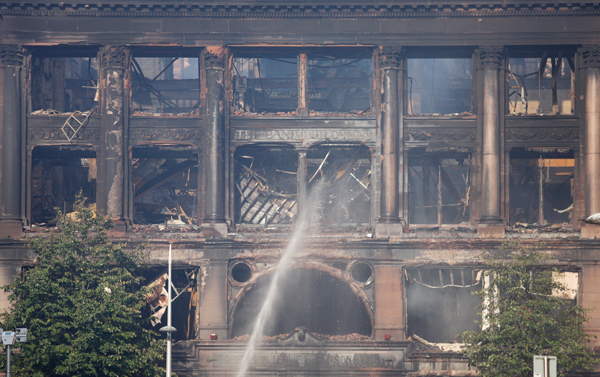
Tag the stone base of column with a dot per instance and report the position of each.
(118, 229)
(303, 111)
(396, 332)
(11, 228)
(383, 230)
(491, 228)
(590, 231)
(214, 230)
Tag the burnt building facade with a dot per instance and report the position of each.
(420, 134)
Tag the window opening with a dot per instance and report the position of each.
(58, 175)
(184, 298)
(340, 85)
(64, 84)
(440, 304)
(165, 85)
(439, 186)
(440, 86)
(266, 185)
(540, 85)
(541, 186)
(265, 84)
(165, 185)
(311, 298)
(345, 172)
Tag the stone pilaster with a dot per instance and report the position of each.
(113, 62)
(491, 59)
(11, 225)
(213, 65)
(213, 302)
(392, 62)
(590, 61)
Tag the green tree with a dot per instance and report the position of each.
(521, 318)
(81, 303)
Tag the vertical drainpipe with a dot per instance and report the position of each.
(302, 193)
(590, 60)
(391, 62)
(11, 224)
(214, 222)
(491, 225)
(113, 61)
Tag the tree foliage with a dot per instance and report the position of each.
(522, 318)
(81, 303)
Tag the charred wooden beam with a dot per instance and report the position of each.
(163, 177)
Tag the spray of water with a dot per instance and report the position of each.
(265, 312)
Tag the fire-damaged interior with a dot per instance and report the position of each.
(541, 186)
(266, 184)
(342, 177)
(316, 300)
(58, 175)
(440, 303)
(439, 184)
(165, 84)
(165, 184)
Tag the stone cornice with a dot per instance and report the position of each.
(299, 9)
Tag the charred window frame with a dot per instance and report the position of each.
(439, 301)
(439, 186)
(266, 185)
(344, 174)
(290, 82)
(58, 175)
(439, 86)
(541, 178)
(165, 84)
(541, 83)
(164, 182)
(63, 82)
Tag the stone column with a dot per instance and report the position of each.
(214, 178)
(113, 61)
(213, 301)
(590, 60)
(491, 225)
(392, 65)
(11, 225)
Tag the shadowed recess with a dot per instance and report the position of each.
(310, 298)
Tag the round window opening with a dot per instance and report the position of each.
(362, 272)
(241, 272)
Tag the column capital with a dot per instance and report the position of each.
(391, 56)
(491, 56)
(213, 57)
(11, 55)
(590, 56)
(115, 57)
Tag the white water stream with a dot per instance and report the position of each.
(284, 264)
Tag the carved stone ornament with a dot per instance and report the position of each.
(165, 134)
(89, 134)
(590, 56)
(440, 134)
(391, 57)
(553, 134)
(115, 57)
(491, 56)
(212, 60)
(11, 55)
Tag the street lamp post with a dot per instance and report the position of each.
(8, 339)
(168, 328)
